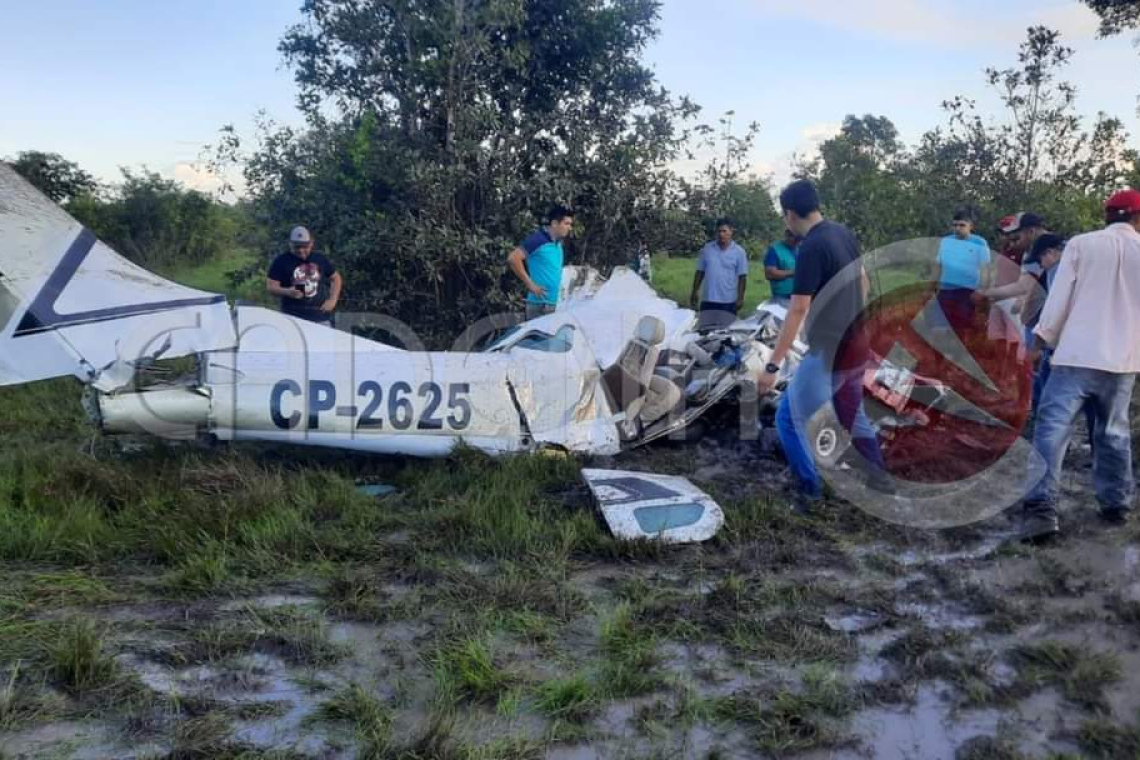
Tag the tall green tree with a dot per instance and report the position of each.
(55, 176)
(1116, 15)
(1038, 154)
(438, 132)
(858, 173)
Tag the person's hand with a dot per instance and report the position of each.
(537, 290)
(739, 306)
(296, 294)
(979, 296)
(765, 381)
(694, 302)
(328, 306)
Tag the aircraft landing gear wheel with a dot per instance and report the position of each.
(827, 439)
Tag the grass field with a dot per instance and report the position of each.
(177, 600)
(673, 278)
(214, 276)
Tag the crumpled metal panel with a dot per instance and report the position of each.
(642, 505)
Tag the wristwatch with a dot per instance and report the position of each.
(771, 368)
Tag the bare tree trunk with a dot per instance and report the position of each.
(452, 86)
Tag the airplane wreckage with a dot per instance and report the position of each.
(614, 367)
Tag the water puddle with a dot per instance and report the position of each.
(270, 602)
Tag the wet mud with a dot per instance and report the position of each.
(864, 640)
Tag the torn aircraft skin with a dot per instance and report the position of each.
(641, 505)
(614, 367)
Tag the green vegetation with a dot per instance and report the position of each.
(237, 272)
(290, 633)
(1101, 738)
(793, 721)
(465, 669)
(572, 698)
(76, 657)
(1080, 674)
(371, 718)
(673, 278)
(629, 669)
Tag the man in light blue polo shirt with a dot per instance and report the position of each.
(962, 260)
(537, 261)
(722, 267)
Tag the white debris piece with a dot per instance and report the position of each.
(641, 505)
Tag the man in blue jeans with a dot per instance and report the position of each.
(1091, 319)
(832, 370)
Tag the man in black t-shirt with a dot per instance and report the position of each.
(305, 280)
(828, 292)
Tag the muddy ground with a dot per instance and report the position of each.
(455, 628)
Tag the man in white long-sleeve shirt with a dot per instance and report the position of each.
(1091, 319)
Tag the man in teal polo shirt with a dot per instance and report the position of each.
(537, 261)
(780, 268)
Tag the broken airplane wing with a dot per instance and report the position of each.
(69, 305)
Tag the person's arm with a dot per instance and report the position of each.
(275, 288)
(695, 296)
(986, 273)
(741, 276)
(807, 282)
(1059, 302)
(517, 261)
(336, 282)
(936, 275)
(797, 313)
(1019, 289)
(772, 269)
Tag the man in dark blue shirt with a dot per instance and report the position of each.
(827, 262)
(306, 281)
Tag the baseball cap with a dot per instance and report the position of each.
(1020, 221)
(1123, 202)
(300, 235)
(1042, 244)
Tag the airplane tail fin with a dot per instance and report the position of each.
(69, 305)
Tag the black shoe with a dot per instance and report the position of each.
(1114, 515)
(1039, 526)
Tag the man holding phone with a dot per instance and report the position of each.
(306, 281)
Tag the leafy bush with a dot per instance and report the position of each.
(156, 222)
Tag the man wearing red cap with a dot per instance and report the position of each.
(1090, 320)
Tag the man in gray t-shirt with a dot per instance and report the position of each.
(722, 267)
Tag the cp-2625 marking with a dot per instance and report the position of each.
(399, 408)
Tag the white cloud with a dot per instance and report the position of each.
(814, 134)
(195, 176)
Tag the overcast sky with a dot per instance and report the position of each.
(131, 83)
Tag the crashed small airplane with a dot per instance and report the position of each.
(614, 367)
